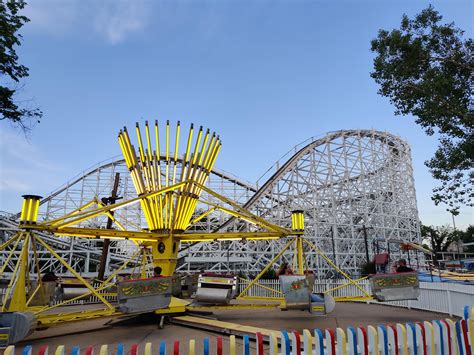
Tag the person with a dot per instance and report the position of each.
(49, 277)
(402, 266)
(49, 292)
(284, 269)
(157, 271)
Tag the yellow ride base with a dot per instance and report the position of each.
(176, 305)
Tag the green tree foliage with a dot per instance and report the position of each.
(467, 236)
(425, 69)
(438, 239)
(11, 71)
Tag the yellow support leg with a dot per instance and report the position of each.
(79, 277)
(337, 268)
(17, 282)
(266, 268)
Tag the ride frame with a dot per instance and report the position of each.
(168, 206)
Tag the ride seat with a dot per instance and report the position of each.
(395, 286)
(144, 295)
(216, 289)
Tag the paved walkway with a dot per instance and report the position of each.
(144, 328)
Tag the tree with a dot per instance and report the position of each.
(12, 109)
(425, 69)
(467, 236)
(438, 239)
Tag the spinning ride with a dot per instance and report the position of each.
(168, 194)
(168, 197)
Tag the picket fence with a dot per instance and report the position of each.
(438, 337)
(441, 297)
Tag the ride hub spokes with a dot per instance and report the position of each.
(154, 165)
(152, 170)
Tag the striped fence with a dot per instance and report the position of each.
(439, 337)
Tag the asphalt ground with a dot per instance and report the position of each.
(145, 328)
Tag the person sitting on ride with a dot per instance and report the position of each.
(284, 269)
(50, 277)
(157, 271)
(402, 266)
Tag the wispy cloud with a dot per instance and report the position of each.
(20, 162)
(113, 21)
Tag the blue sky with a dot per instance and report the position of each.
(265, 75)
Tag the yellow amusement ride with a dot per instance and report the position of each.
(168, 190)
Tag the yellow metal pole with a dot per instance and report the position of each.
(105, 284)
(12, 252)
(79, 277)
(262, 286)
(123, 266)
(99, 211)
(294, 264)
(111, 216)
(158, 173)
(143, 268)
(299, 248)
(261, 221)
(145, 165)
(151, 163)
(167, 162)
(335, 267)
(17, 282)
(172, 217)
(192, 169)
(191, 174)
(266, 268)
(120, 138)
(77, 210)
(200, 175)
(202, 215)
(345, 284)
(10, 241)
(184, 168)
(38, 271)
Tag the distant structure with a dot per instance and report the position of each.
(355, 187)
(357, 191)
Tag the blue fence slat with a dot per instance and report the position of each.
(163, 348)
(246, 345)
(459, 337)
(206, 346)
(353, 334)
(286, 337)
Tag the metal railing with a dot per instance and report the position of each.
(441, 297)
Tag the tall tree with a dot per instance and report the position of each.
(12, 109)
(467, 236)
(438, 239)
(425, 69)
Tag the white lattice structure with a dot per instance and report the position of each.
(344, 181)
(98, 182)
